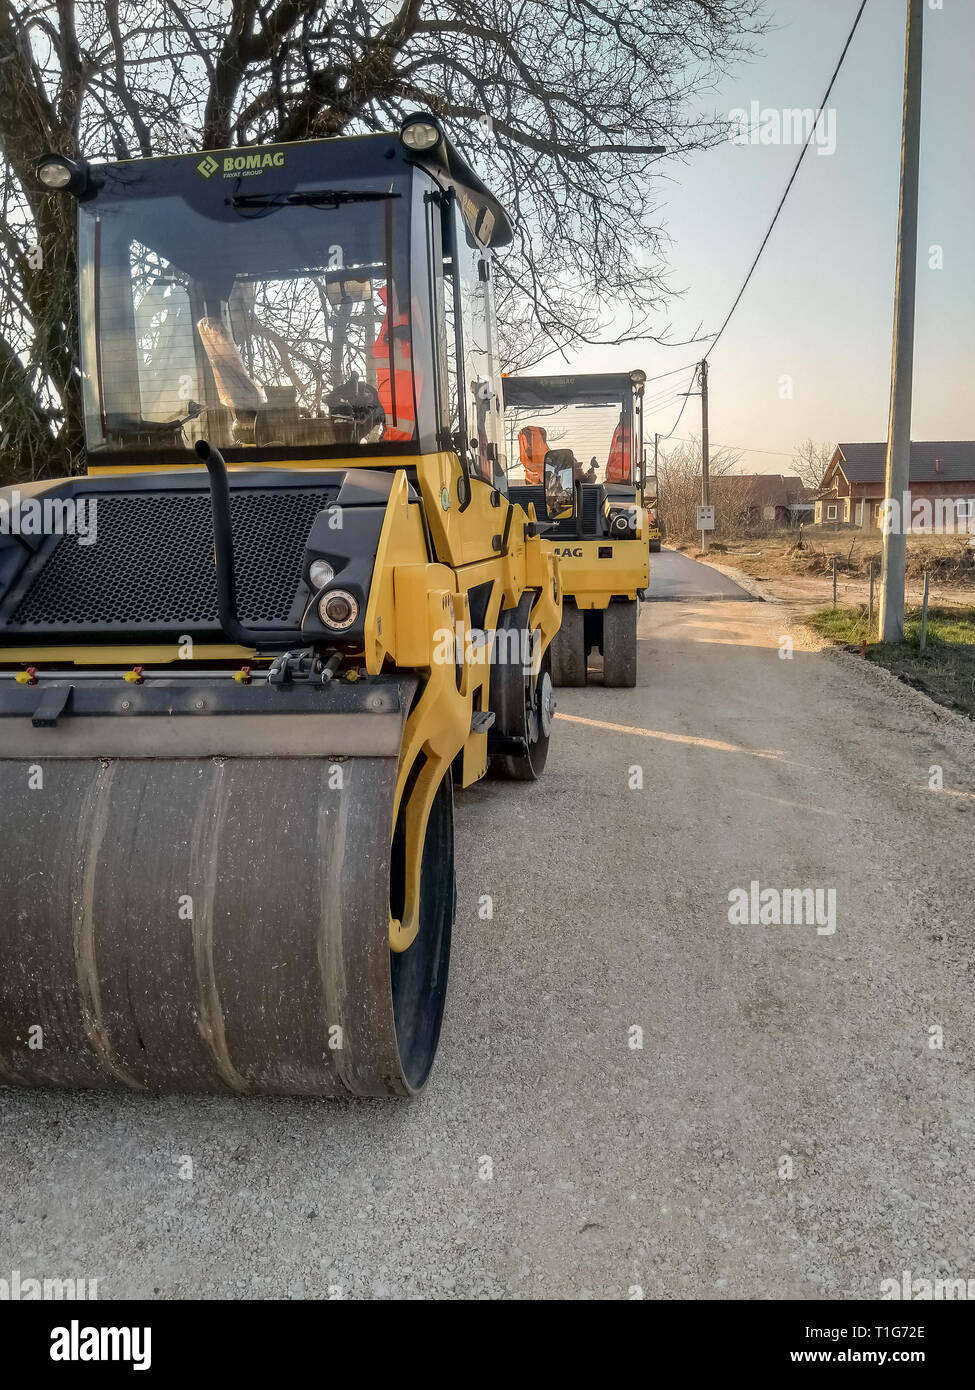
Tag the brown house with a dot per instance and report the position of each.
(762, 499)
(942, 473)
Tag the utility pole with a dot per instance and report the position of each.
(705, 449)
(656, 447)
(898, 475)
(701, 375)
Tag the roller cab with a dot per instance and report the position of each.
(246, 657)
(575, 452)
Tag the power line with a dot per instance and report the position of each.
(658, 402)
(771, 226)
(662, 392)
(675, 372)
(745, 448)
(687, 396)
(751, 270)
(792, 179)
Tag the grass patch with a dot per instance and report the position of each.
(945, 670)
(848, 626)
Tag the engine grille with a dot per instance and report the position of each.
(590, 511)
(152, 563)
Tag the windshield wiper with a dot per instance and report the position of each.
(322, 198)
(121, 423)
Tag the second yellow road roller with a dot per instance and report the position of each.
(579, 437)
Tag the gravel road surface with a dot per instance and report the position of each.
(798, 1121)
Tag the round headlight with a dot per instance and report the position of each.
(54, 173)
(338, 609)
(320, 573)
(420, 135)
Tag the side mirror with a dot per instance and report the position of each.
(559, 491)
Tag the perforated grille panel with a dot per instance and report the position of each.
(590, 511)
(152, 562)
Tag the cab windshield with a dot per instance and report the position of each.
(598, 428)
(256, 319)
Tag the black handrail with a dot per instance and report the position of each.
(223, 546)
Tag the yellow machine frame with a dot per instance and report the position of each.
(597, 571)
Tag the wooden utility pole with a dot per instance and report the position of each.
(902, 357)
(705, 448)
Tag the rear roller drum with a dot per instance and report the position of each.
(619, 644)
(218, 925)
(538, 711)
(568, 648)
(522, 697)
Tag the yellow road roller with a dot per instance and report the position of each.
(245, 658)
(575, 451)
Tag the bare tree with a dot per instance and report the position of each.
(557, 102)
(810, 461)
(679, 489)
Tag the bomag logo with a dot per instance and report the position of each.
(241, 166)
(574, 551)
(246, 165)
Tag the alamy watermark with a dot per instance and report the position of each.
(945, 1289)
(18, 1289)
(944, 515)
(496, 647)
(78, 1343)
(792, 125)
(49, 516)
(756, 906)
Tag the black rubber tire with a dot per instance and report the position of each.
(568, 648)
(528, 767)
(619, 644)
(418, 976)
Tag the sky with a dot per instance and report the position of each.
(819, 308)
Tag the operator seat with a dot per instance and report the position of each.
(235, 388)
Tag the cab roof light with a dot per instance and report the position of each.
(58, 174)
(420, 133)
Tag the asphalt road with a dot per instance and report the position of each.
(677, 576)
(786, 1127)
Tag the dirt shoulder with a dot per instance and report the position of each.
(803, 577)
(800, 581)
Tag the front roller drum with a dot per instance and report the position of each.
(216, 925)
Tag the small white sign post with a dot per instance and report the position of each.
(705, 522)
